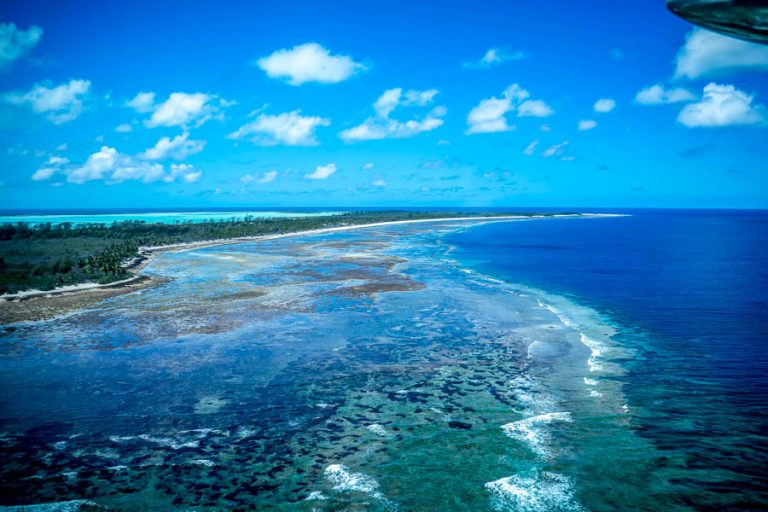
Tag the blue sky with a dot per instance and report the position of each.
(381, 104)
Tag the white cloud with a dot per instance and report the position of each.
(180, 109)
(494, 57)
(379, 183)
(111, 166)
(605, 105)
(392, 98)
(587, 124)
(658, 95)
(555, 150)
(707, 53)
(14, 42)
(381, 126)
(124, 128)
(722, 105)
(62, 103)
(545, 128)
(95, 167)
(142, 103)
(144, 172)
(268, 177)
(53, 166)
(368, 166)
(309, 62)
(322, 172)
(534, 108)
(247, 179)
(177, 148)
(490, 114)
(530, 149)
(288, 128)
(184, 172)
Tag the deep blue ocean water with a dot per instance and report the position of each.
(689, 290)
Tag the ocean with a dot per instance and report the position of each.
(614, 363)
(688, 290)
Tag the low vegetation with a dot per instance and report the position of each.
(46, 256)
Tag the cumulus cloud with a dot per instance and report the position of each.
(379, 183)
(180, 109)
(111, 166)
(267, 177)
(382, 126)
(61, 104)
(489, 115)
(124, 128)
(144, 172)
(142, 103)
(95, 167)
(722, 105)
(657, 95)
(587, 124)
(288, 128)
(321, 172)
(15, 42)
(534, 108)
(707, 53)
(368, 166)
(184, 172)
(177, 148)
(52, 166)
(494, 57)
(605, 105)
(309, 62)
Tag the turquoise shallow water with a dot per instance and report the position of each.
(155, 217)
(367, 370)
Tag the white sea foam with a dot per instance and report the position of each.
(545, 491)
(60, 506)
(525, 392)
(379, 430)
(590, 382)
(596, 349)
(315, 496)
(183, 439)
(170, 442)
(563, 319)
(244, 432)
(204, 462)
(343, 479)
(530, 431)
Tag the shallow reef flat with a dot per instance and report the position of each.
(363, 370)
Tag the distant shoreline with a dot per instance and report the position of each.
(145, 255)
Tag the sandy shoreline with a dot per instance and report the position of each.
(39, 304)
